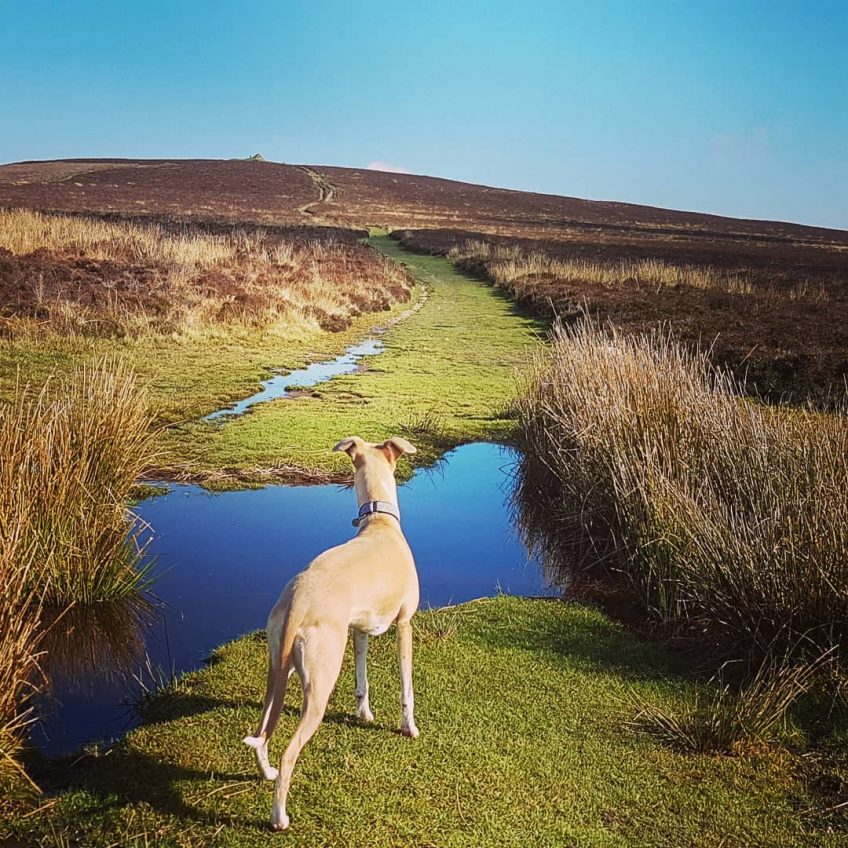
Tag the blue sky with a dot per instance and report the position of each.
(738, 108)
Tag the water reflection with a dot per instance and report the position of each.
(319, 372)
(223, 559)
(95, 641)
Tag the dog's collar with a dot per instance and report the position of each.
(376, 506)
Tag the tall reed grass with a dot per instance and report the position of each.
(69, 456)
(718, 514)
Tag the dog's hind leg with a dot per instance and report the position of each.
(317, 657)
(360, 652)
(407, 699)
(279, 668)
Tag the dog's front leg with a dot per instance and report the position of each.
(407, 699)
(360, 652)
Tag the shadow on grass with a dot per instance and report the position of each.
(124, 776)
(566, 632)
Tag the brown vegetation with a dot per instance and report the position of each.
(80, 275)
(252, 191)
(275, 193)
(779, 317)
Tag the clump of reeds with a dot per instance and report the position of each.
(83, 276)
(69, 456)
(20, 610)
(718, 514)
(520, 271)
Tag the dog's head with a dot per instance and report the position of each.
(363, 453)
(374, 478)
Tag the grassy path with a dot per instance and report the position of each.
(445, 377)
(524, 708)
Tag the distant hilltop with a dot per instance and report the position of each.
(283, 193)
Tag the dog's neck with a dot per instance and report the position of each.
(375, 485)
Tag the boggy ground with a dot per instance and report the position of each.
(524, 707)
(446, 376)
(201, 314)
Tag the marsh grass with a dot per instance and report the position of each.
(519, 271)
(69, 456)
(719, 515)
(19, 652)
(74, 275)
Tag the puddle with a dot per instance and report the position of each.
(223, 559)
(319, 372)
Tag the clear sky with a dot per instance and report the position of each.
(734, 107)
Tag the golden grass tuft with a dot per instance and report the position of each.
(69, 456)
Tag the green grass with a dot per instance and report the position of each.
(446, 377)
(525, 708)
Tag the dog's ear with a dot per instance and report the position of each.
(352, 446)
(396, 447)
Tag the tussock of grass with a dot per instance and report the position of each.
(69, 456)
(720, 514)
(89, 277)
(19, 651)
(519, 271)
(730, 720)
(523, 712)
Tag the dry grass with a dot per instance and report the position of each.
(519, 270)
(19, 644)
(72, 454)
(76, 275)
(719, 514)
(68, 459)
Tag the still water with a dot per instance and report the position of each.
(222, 560)
(319, 372)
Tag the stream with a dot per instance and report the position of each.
(283, 385)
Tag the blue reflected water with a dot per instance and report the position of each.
(225, 557)
(318, 372)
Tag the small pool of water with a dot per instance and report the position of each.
(224, 558)
(319, 372)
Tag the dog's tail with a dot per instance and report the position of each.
(280, 647)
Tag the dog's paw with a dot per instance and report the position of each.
(365, 715)
(410, 730)
(279, 821)
(253, 741)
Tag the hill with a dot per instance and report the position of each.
(269, 192)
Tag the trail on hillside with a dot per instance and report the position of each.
(327, 191)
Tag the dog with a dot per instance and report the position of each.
(366, 585)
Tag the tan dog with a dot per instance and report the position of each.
(365, 584)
